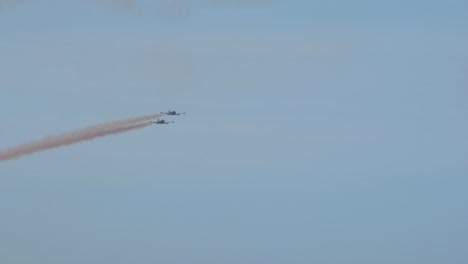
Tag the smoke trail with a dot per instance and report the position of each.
(161, 6)
(4, 3)
(68, 138)
(174, 7)
(123, 122)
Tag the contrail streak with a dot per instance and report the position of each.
(75, 136)
(123, 122)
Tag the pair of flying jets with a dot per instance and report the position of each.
(162, 121)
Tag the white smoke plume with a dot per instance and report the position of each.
(75, 136)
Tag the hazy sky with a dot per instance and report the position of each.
(315, 132)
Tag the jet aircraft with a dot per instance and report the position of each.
(161, 122)
(172, 113)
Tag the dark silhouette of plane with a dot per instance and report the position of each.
(172, 113)
(161, 122)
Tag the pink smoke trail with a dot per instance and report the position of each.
(79, 135)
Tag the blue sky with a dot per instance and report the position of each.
(315, 132)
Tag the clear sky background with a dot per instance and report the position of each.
(316, 131)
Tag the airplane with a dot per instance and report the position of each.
(161, 122)
(172, 113)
